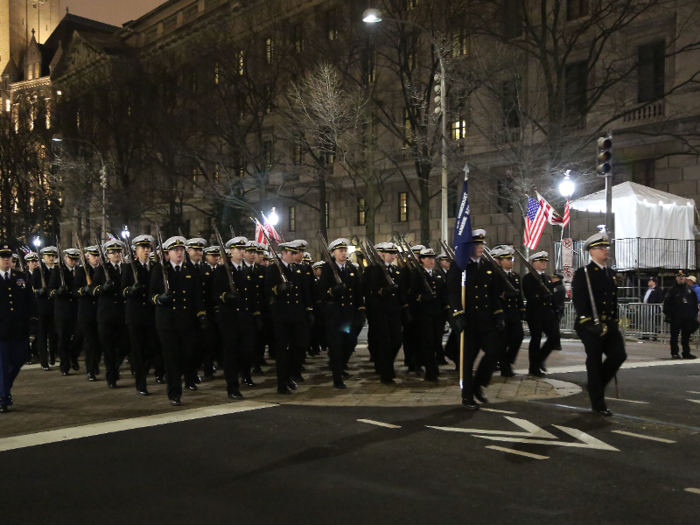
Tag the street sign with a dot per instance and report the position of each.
(568, 274)
(567, 253)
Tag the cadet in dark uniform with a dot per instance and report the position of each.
(195, 251)
(212, 336)
(345, 309)
(48, 337)
(179, 312)
(431, 311)
(299, 245)
(252, 258)
(17, 307)
(31, 260)
(66, 311)
(605, 337)
(481, 318)
(681, 311)
(265, 336)
(238, 313)
(514, 312)
(87, 312)
(318, 331)
(111, 311)
(290, 306)
(541, 315)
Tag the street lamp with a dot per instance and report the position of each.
(374, 16)
(125, 233)
(58, 138)
(37, 243)
(273, 218)
(567, 186)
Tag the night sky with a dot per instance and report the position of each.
(110, 11)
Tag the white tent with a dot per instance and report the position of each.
(643, 213)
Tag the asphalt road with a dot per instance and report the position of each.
(307, 464)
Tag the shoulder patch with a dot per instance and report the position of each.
(188, 276)
(489, 271)
(352, 275)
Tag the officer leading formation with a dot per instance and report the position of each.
(179, 307)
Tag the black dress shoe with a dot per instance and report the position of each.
(689, 356)
(235, 394)
(388, 382)
(144, 392)
(470, 404)
(292, 385)
(175, 402)
(45, 368)
(443, 362)
(431, 379)
(64, 374)
(302, 368)
(284, 392)
(257, 370)
(4, 409)
(479, 395)
(192, 387)
(198, 379)
(509, 373)
(52, 361)
(543, 367)
(339, 384)
(112, 385)
(346, 375)
(536, 373)
(75, 366)
(249, 382)
(605, 412)
(675, 356)
(160, 380)
(91, 377)
(264, 363)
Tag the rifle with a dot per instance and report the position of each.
(19, 261)
(448, 251)
(132, 260)
(88, 280)
(500, 271)
(329, 258)
(187, 254)
(416, 263)
(161, 260)
(399, 256)
(373, 251)
(41, 270)
(275, 257)
(60, 261)
(233, 233)
(103, 262)
(534, 273)
(227, 263)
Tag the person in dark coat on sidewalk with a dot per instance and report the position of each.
(681, 311)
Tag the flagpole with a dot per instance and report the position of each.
(464, 309)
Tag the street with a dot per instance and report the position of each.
(544, 459)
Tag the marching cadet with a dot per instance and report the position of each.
(411, 337)
(238, 313)
(111, 320)
(265, 337)
(32, 262)
(48, 337)
(443, 264)
(253, 256)
(594, 286)
(389, 307)
(87, 312)
(345, 309)
(212, 256)
(15, 261)
(211, 350)
(681, 310)
(176, 291)
(308, 259)
(66, 311)
(428, 287)
(540, 314)
(17, 307)
(290, 305)
(514, 312)
(318, 331)
(480, 317)
(195, 249)
(299, 246)
(141, 315)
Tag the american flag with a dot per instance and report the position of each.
(534, 223)
(553, 217)
(269, 229)
(567, 215)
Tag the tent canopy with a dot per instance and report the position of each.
(643, 212)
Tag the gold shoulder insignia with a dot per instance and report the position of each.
(352, 275)
(188, 276)
(488, 271)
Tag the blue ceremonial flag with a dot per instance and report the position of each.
(463, 228)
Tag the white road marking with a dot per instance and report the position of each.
(531, 430)
(498, 411)
(694, 491)
(98, 429)
(660, 440)
(640, 364)
(518, 452)
(691, 392)
(378, 423)
(627, 400)
(694, 400)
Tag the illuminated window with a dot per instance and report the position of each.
(298, 38)
(458, 129)
(332, 24)
(267, 153)
(292, 218)
(460, 42)
(240, 165)
(240, 59)
(37, 71)
(216, 73)
(411, 4)
(327, 212)
(407, 124)
(403, 206)
(216, 173)
(298, 154)
(8, 105)
(369, 69)
(270, 50)
(268, 99)
(361, 212)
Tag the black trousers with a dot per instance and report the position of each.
(430, 328)
(411, 343)
(299, 349)
(177, 348)
(601, 372)
(116, 345)
(238, 344)
(548, 326)
(287, 334)
(211, 345)
(511, 339)
(65, 327)
(341, 333)
(145, 351)
(318, 332)
(386, 337)
(91, 345)
(48, 338)
(475, 340)
(683, 328)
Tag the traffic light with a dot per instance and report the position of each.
(604, 157)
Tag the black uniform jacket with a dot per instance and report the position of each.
(514, 307)
(111, 306)
(351, 301)
(87, 303)
(482, 294)
(681, 303)
(438, 284)
(237, 313)
(206, 276)
(140, 310)
(538, 308)
(44, 304)
(292, 306)
(604, 293)
(376, 288)
(187, 304)
(17, 305)
(65, 306)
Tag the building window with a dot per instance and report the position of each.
(644, 172)
(327, 212)
(361, 212)
(216, 73)
(239, 165)
(267, 153)
(37, 71)
(512, 18)
(459, 42)
(407, 125)
(576, 82)
(216, 174)
(576, 9)
(298, 38)
(299, 155)
(412, 52)
(411, 4)
(240, 60)
(453, 196)
(505, 194)
(240, 105)
(292, 218)
(368, 67)
(328, 156)
(651, 71)
(270, 50)
(332, 24)
(268, 99)
(511, 105)
(403, 206)
(8, 105)
(458, 129)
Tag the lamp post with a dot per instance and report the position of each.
(37, 243)
(374, 16)
(567, 188)
(273, 218)
(103, 178)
